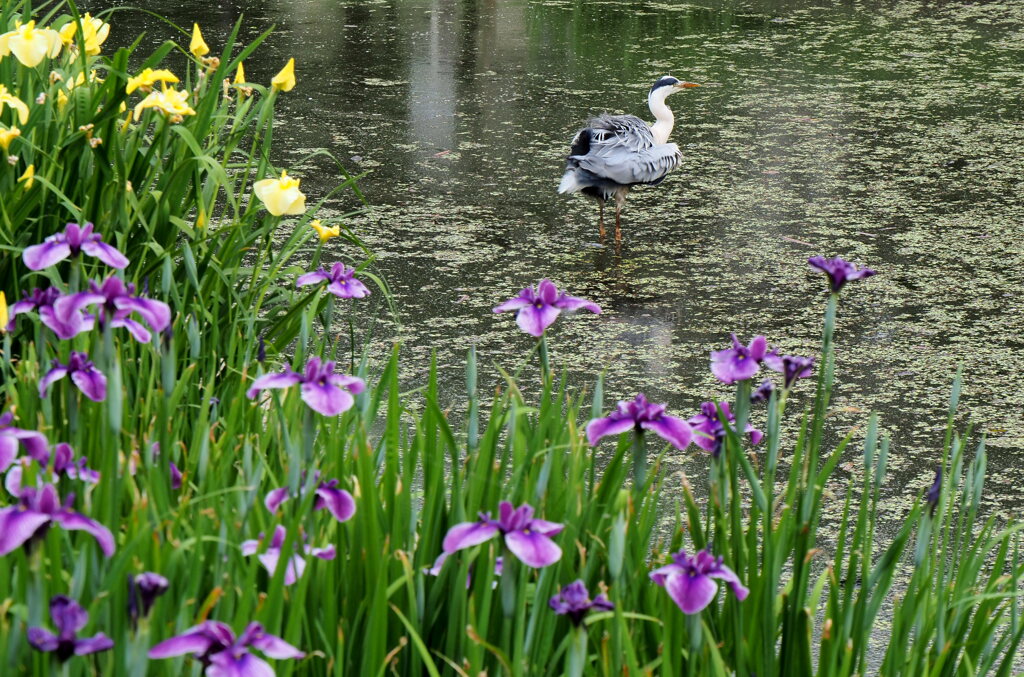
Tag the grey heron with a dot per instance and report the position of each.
(613, 153)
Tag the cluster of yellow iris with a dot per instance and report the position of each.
(30, 45)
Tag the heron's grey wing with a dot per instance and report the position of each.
(626, 166)
(611, 131)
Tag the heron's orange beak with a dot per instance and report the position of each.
(687, 84)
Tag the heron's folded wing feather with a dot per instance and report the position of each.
(626, 167)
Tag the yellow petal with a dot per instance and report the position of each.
(285, 79)
(281, 196)
(325, 232)
(4, 317)
(240, 74)
(15, 103)
(67, 32)
(7, 136)
(28, 177)
(198, 45)
(31, 46)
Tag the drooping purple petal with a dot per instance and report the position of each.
(566, 302)
(72, 521)
(326, 399)
(92, 383)
(17, 526)
(105, 253)
(274, 498)
(94, 644)
(51, 377)
(196, 640)
(726, 574)
(691, 593)
(674, 430)
(41, 639)
(157, 314)
(44, 255)
(514, 303)
(348, 289)
(275, 647)
(312, 278)
(532, 548)
(534, 320)
(224, 664)
(338, 502)
(468, 534)
(268, 381)
(601, 427)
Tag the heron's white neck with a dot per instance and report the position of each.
(662, 113)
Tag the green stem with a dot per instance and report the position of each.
(639, 462)
(576, 659)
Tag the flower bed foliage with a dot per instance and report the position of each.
(192, 487)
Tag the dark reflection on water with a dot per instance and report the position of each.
(886, 132)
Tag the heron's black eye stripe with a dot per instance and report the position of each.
(664, 82)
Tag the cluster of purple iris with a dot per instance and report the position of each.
(689, 579)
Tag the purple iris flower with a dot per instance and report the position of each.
(272, 555)
(689, 580)
(792, 367)
(839, 271)
(64, 463)
(338, 502)
(84, 373)
(12, 438)
(341, 281)
(175, 477)
(324, 391)
(36, 510)
(142, 592)
(640, 415)
(931, 497)
(739, 362)
(527, 538)
(74, 240)
(68, 617)
(574, 601)
(116, 303)
(216, 647)
(713, 436)
(762, 392)
(38, 299)
(539, 307)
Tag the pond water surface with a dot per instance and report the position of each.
(887, 132)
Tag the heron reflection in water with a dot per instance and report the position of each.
(613, 153)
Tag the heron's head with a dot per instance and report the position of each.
(669, 85)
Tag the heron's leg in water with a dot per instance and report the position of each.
(600, 217)
(618, 221)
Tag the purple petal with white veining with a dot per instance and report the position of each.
(312, 278)
(51, 377)
(275, 647)
(275, 498)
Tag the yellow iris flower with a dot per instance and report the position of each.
(198, 46)
(170, 101)
(7, 136)
(29, 177)
(149, 77)
(240, 75)
(325, 232)
(281, 196)
(15, 103)
(4, 316)
(30, 45)
(285, 79)
(94, 33)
